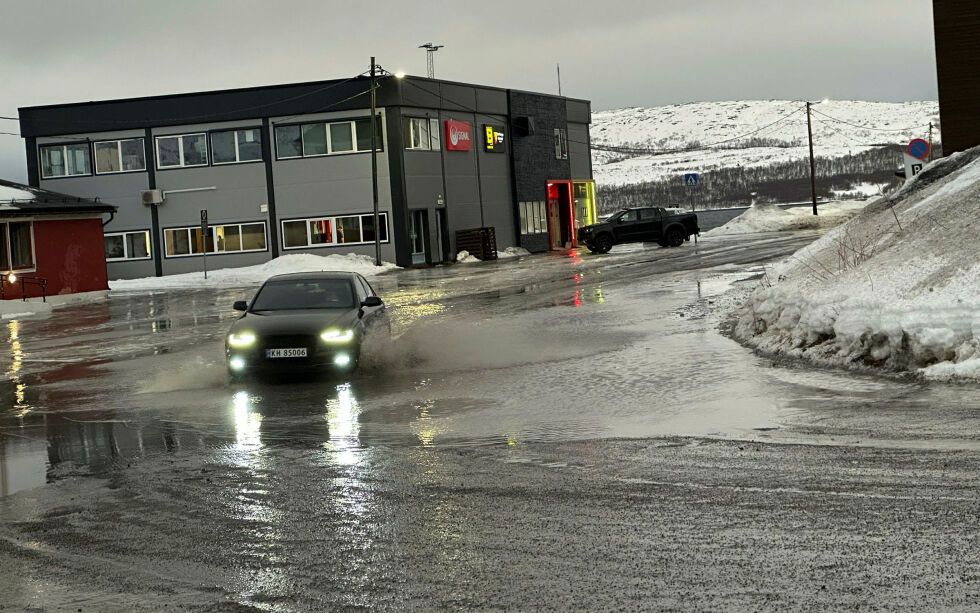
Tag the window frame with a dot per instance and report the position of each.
(561, 144)
(434, 140)
(326, 123)
(126, 257)
(234, 132)
(180, 150)
(64, 152)
(332, 219)
(211, 235)
(119, 142)
(5, 244)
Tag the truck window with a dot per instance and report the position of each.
(648, 214)
(628, 216)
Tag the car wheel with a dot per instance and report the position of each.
(603, 243)
(675, 238)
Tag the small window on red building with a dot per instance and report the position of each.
(16, 246)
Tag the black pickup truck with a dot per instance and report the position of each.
(640, 225)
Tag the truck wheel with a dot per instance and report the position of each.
(675, 238)
(603, 243)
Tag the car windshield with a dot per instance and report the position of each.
(296, 294)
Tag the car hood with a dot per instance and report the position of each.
(313, 321)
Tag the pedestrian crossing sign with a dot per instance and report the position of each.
(691, 179)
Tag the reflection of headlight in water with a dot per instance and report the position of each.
(342, 359)
(236, 363)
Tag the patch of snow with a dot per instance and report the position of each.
(512, 252)
(860, 190)
(897, 287)
(250, 275)
(464, 257)
(765, 217)
(8, 193)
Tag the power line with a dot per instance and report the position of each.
(866, 127)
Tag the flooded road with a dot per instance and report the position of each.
(564, 399)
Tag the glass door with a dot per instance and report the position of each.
(416, 233)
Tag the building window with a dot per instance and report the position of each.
(421, 133)
(231, 146)
(561, 144)
(323, 138)
(16, 245)
(224, 238)
(127, 246)
(533, 217)
(182, 150)
(126, 155)
(65, 160)
(327, 231)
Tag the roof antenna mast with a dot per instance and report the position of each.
(430, 66)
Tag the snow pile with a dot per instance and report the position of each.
(512, 252)
(464, 257)
(250, 275)
(897, 287)
(764, 217)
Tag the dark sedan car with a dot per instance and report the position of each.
(303, 322)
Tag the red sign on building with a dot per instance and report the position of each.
(457, 135)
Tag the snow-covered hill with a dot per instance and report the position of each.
(839, 127)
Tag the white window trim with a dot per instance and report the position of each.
(214, 251)
(383, 218)
(427, 145)
(6, 243)
(126, 256)
(329, 139)
(180, 150)
(64, 153)
(119, 142)
(238, 157)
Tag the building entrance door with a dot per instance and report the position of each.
(560, 220)
(416, 232)
(442, 236)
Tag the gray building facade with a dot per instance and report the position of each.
(287, 169)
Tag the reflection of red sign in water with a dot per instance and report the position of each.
(457, 135)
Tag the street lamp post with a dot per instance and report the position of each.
(813, 167)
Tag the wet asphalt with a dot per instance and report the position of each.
(563, 432)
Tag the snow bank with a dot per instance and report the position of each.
(897, 287)
(765, 217)
(250, 275)
(464, 257)
(512, 252)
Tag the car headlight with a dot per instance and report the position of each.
(337, 336)
(241, 339)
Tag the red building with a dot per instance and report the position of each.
(51, 244)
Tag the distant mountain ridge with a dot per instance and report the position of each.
(859, 142)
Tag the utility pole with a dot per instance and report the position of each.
(813, 167)
(430, 65)
(929, 157)
(558, 68)
(374, 163)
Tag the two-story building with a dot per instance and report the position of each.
(288, 169)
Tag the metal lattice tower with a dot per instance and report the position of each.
(430, 66)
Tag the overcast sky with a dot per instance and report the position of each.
(615, 53)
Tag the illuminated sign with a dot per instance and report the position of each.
(457, 135)
(493, 139)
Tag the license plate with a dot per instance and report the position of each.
(295, 352)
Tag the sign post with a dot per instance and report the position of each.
(916, 154)
(204, 238)
(691, 181)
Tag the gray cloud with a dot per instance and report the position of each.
(615, 53)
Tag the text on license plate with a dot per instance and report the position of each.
(296, 352)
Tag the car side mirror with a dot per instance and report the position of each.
(240, 305)
(372, 301)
